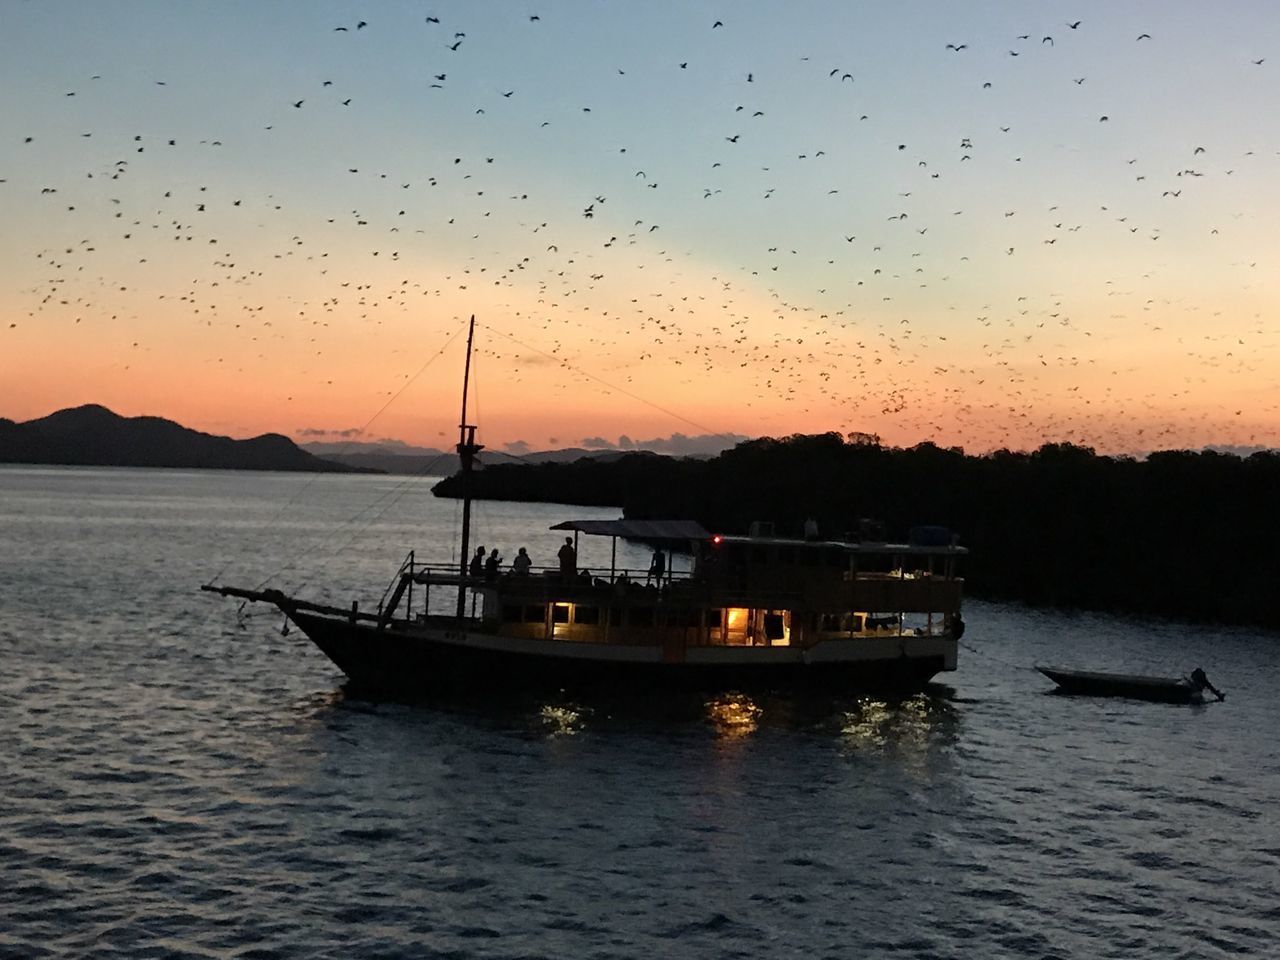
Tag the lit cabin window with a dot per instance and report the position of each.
(560, 613)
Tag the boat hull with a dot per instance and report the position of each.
(425, 659)
(1154, 689)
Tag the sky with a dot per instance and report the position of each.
(987, 225)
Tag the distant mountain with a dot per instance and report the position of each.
(328, 448)
(429, 461)
(92, 435)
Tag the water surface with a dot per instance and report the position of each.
(184, 781)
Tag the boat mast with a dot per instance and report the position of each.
(467, 450)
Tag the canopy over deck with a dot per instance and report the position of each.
(665, 530)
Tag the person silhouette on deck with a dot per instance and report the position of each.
(521, 564)
(657, 567)
(477, 563)
(568, 561)
(491, 566)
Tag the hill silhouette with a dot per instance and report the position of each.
(92, 435)
(1180, 534)
(431, 461)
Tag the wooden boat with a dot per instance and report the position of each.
(756, 611)
(1158, 689)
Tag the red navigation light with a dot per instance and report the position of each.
(717, 540)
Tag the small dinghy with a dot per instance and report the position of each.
(1159, 689)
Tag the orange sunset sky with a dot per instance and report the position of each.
(983, 225)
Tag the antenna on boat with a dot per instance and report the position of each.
(467, 450)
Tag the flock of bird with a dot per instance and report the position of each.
(757, 263)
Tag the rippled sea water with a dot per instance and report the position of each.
(180, 780)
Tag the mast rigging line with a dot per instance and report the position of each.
(368, 423)
(388, 500)
(600, 380)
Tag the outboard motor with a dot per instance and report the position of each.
(1200, 682)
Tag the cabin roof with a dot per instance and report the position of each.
(639, 529)
(862, 546)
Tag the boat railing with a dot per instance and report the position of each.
(447, 573)
(395, 585)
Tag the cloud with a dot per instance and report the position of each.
(1238, 450)
(537, 360)
(705, 445)
(326, 432)
(677, 444)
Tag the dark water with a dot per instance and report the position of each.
(176, 783)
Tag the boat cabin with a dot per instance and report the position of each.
(760, 590)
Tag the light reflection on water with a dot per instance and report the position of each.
(733, 715)
(906, 724)
(560, 720)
